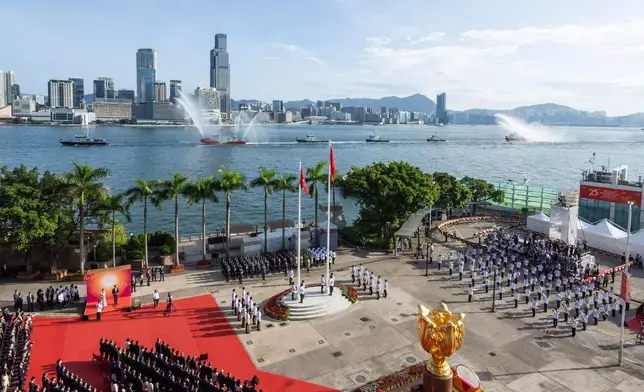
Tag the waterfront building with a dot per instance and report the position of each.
(358, 113)
(220, 72)
(79, 92)
(441, 109)
(104, 89)
(146, 75)
(158, 112)
(112, 111)
(337, 106)
(68, 115)
(160, 92)
(125, 95)
(3, 97)
(278, 106)
(23, 107)
(40, 99)
(604, 194)
(175, 90)
(61, 93)
(305, 112)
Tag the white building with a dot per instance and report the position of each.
(23, 107)
(3, 98)
(61, 94)
(209, 102)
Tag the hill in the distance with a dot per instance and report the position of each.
(412, 103)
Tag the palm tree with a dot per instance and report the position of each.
(315, 176)
(142, 191)
(267, 182)
(113, 204)
(228, 182)
(83, 183)
(172, 189)
(202, 191)
(285, 184)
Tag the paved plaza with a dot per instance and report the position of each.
(509, 350)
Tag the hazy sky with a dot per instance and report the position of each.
(588, 54)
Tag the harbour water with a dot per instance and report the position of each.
(476, 151)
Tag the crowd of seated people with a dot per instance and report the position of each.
(15, 348)
(135, 368)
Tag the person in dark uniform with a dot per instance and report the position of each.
(115, 294)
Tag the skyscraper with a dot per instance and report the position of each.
(104, 88)
(79, 92)
(175, 90)
(441, 109)
(61, 93)
(160, 94)
(146, 75)
(9, 81)
(220, 72)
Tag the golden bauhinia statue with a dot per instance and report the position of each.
(441, 334)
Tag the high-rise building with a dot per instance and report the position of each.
(126, 94)
(3, 91)
(441, 109)
(9, 81)
(220, 72)
(104, 89)
(79, 92)
(278, 106)
(146, 75)
(61, 93)
(160, 92)
(15, 91)
(208, 99)
(175, 90)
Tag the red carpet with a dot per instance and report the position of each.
(198, 326)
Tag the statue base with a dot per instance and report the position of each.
(433, 383)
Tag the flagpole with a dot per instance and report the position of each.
(328, 222)
(620, 353)
(299, 229)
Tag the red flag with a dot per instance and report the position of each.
(303, 182)
(331, 164)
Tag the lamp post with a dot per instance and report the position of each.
(620, 355)
(427, 261)
(494, 289)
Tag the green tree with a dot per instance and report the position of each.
(202, 191)
(27, 216)
(115, 204)
(387, 193)
(83, 182)
(267, 181)
(285, 183)
(104, 250)
(453, 194)
(171, 190)
(142, 191)
(482, 191)
(316, 176)
(228, 182)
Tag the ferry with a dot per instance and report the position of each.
(513, 137)
(373, 138)
(84, 140)
(311, 139)
(435, 138)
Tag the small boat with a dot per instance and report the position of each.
(513, 137)
(84, 140)
(374, 138)
(435, 138)
(237, 142)
(311, 139)
(210, 141)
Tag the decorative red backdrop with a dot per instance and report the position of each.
(106, 278)
(610, 195)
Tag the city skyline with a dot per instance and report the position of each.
(496, 55)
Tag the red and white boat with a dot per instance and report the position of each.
(214, 142)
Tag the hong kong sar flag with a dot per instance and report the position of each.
(303, 182)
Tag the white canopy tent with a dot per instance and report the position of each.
(604, 235)
(637, 243)
(539, 222)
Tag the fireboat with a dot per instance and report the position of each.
(214, 142)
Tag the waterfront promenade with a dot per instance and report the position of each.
(510, 350)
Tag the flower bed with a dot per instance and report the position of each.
(411, 375)
(275, 310)
(349, 293)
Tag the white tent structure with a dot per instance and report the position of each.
(538, 222)
(637, 243)
(604, 235)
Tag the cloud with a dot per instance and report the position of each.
(314, 59)
(478, 68)
(290, 48)
(272, 58)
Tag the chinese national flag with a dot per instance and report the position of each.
(331, 164)
(303, 182)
